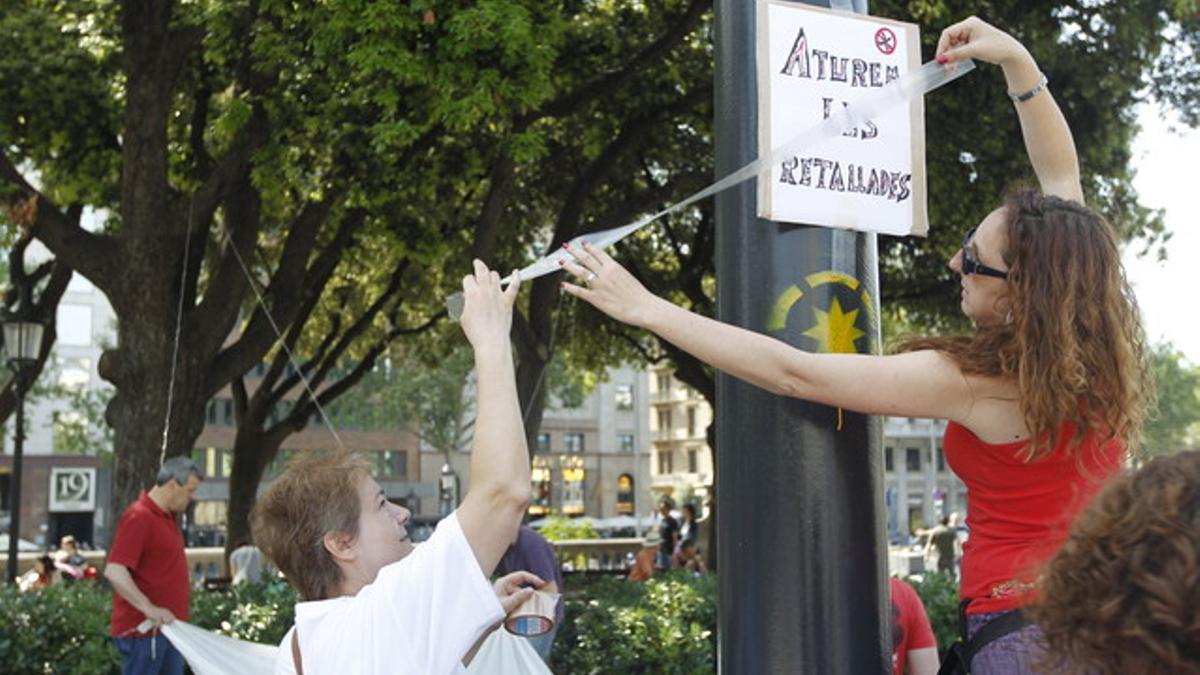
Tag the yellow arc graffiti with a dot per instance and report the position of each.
(834, 330)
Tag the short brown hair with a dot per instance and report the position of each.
(317, 494)
(1121, 595)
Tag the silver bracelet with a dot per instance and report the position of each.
(1037, 89)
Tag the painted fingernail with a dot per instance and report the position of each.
(562, 262)
(942, 58)
(565, 245)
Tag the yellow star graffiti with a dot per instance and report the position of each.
(835, 330)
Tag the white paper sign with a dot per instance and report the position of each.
(872, 178)
(72, 489)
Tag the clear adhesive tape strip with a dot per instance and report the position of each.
(916, 83)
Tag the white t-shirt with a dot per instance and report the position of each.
(421, 615)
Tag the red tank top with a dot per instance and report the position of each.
(1019, 512)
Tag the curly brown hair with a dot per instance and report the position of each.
(1075, 344)
(1123, 594)
(316, 494)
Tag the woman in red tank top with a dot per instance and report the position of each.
(1042, 399)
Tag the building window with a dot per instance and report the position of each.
(912, 459)
(623, 397)
(693, 464)
(74, 325)
(691, 412)
(664, 462)
(664, 422)
(573, 442)
(941, 460)
(540, 481)
(625, 442)
(625, 495)
(227, 412)
(391, 464)
(543, 442)
(888, 464)
(664, 383)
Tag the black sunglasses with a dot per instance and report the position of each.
(971, 264)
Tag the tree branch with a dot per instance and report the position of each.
(487, 226)
(287, 290)
(95, 256)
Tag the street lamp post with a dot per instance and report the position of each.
(22, 341)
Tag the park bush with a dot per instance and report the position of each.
(62, 628)
(665, 625)
(253, 612)
(939, 594)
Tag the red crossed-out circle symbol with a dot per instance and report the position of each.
(885, 40)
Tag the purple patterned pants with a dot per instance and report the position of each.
(1012, 654)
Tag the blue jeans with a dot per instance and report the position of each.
(136, 658)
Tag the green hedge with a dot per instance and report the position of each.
(64, 628)
(665, 625)
(61, 629)
(255, 612)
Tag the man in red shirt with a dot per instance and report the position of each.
(148, 570)
(914, 648)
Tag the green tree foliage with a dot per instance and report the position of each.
(279, 137)
(1171, 427)
(432, 399)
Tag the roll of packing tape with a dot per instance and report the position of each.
(534, 617)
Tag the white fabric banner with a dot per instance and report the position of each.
(211, 654)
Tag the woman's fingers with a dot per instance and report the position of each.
(514, 285)
(955, 36)
(576, 269)
(602, 257)
(522, 577)
(583, 256)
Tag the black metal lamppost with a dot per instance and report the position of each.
(22, 342)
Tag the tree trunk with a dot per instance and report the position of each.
(534, 338)
(140, 369)
(253, 452)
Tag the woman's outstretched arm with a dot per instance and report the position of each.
(1048, 139)
(917, 384)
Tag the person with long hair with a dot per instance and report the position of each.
(1123, 593)
(1042, 399)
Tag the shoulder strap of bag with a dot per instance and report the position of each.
(1008, 622)
(296, 653)
(959, 656)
